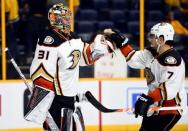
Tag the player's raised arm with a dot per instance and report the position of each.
(165, 76)
(135, 59)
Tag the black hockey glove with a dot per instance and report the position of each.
(142, 105)
(116, 37)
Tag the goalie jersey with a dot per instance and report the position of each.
(165, 74)
(56, 62)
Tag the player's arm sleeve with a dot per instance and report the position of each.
(171, 80)
(86, 58)
(135, 59)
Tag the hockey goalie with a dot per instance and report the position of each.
(55, 72)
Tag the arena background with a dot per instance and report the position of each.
(112, 82)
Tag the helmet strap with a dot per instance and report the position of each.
(158, 46)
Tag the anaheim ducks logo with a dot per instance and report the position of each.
(48, 40)
(170, 60)
(76, 54)
(149, 75)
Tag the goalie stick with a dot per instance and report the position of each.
(18, 69)
(49, 118)
(102, 108)
(97, 104)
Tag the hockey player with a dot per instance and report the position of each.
(165, 74)
(55, 72)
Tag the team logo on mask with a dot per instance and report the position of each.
(48, 40)
(170, 60)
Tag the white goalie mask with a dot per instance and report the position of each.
(163, 29)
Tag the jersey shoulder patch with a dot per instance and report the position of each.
(49, 38)
(170, 58)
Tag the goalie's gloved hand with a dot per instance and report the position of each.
(80, 97)
(116, 37)
(142, 105)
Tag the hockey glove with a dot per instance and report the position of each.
(116, 37)
(80, 97)
(142, 105)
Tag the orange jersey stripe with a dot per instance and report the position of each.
(156, 95)
(40, 81)
(126, 50)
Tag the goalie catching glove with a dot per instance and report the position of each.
(118, 39)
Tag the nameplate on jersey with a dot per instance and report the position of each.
(170, 60)
(48, 40)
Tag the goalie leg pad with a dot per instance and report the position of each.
(61, 103)
(39, 105)
(72, 121)
(66, 119)
(78, 118)
(50, 124)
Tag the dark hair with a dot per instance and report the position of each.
(170, 42)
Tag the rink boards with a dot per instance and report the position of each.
(111, 93)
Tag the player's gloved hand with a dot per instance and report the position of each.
(142, 105)
(116, 37)
(80, 97)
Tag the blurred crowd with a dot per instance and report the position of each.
(26, 19)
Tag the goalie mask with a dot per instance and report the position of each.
(163, 29)
(60, 16)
